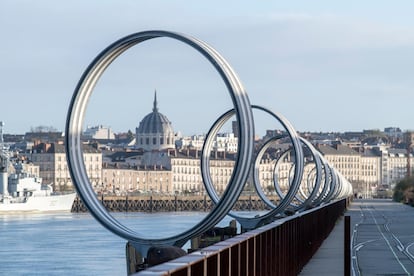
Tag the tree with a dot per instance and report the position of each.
(409, 196)
(404, 191)
(130, 135)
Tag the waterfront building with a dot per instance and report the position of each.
(346, 160)
(26, 165)
(282, 169)
(182, 174)
(394, 165)
(44, 135)
(123, 179)
(372, 168)
(31, 169)
(160, 162)
(394, 133)
(125, 158)
(224, 142)
(51, 159)
(147, 168)
(409, 138)
(155, 131)
(266, 168)
(99, 133)
(186, 174)
(193, 142)
(370, 172)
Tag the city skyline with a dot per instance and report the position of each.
(45, 129)
(325, 67)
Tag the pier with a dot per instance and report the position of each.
(165, 203)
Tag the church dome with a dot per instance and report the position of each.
(155, 131)
(155, 122)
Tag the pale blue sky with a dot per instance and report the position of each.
(325, 66)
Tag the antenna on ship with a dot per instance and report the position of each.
(1, 134)
(3, 153)
(4, 157)
(4, 162)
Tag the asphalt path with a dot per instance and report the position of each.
(382, 236)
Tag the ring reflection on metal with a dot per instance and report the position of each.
(256, 175)
(332, 183)
(309, 182)
(312, 185)
(286, 199)
(249, 223)
(75, 118)
(321, 197)
(328, 185)
(301, 201)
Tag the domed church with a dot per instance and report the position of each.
(155, 132)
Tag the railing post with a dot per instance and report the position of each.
(347, 246)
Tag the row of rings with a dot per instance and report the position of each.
(327, 185)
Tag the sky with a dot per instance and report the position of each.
(324, 65)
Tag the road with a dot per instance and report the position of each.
(382, 237)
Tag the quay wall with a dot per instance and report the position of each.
(158, 203)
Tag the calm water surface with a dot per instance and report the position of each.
(76, 244)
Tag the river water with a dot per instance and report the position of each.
(76, 244)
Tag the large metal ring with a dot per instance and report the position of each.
(248, 222)
(305, 201)
(75, 118)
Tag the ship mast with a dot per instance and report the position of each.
(3, 155)
(1, 134)
(4, 164)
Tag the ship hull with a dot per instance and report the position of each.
(40, 204)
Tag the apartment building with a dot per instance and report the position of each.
(53, 168)
(394, 164)
(127, 179)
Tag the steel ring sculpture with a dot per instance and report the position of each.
(75, 119)
(303, 201)
(249, 223)
(328, 184)
(312, 185)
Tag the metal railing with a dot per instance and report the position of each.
(282, 247)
